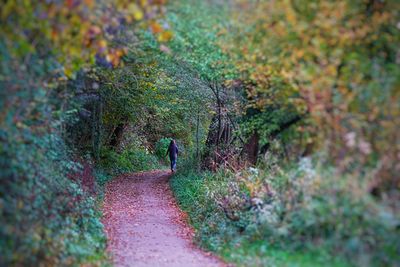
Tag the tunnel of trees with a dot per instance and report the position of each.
(286, 113)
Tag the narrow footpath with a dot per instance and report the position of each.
(145, 227)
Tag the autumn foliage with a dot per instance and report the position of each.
(335, 63)
(286, 114)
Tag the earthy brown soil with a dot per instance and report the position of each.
(145, 227)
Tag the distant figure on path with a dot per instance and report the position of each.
(173, 154)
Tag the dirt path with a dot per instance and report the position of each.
(144, 225)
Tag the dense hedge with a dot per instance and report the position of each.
(46, 216)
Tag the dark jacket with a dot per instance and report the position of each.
(173, 151)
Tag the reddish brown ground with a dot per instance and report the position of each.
(145, 227)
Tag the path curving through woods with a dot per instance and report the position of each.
(145, 227)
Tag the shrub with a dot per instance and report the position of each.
(102, 177)
(161, 147)
(46, 217)
(303, 208)
(131, 159)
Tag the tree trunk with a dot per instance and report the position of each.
(251, 148)
(117, 134)
(197, 137)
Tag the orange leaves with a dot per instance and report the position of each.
(70, 3)
(54, 35)
(75, 30)
(114, 56)
(162, 34)
(89, 3)
(165, 36)
(156, 28)
(290, 15)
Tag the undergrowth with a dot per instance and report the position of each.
(47, 218)
(131, 159)
(301, 216)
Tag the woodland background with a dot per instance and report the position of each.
(286, 113)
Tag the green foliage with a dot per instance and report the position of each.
(129, 160)
(334, 63)
(102, 176)
(259, 253)
(46, 216)
(198, 28)
(305, 209)
(73, 31)
(162, 146)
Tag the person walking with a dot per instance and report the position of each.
(173, 154)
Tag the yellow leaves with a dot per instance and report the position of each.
(115, 56)
(102, 44)
(138, 15)
(135, 11)
(73, 29)
(162, 34)
(331, 71)
(165, 36)
(321, 52)
(68, 71)
(291, 15)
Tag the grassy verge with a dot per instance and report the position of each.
(257, 253)
(291, 219)
(204, 216)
